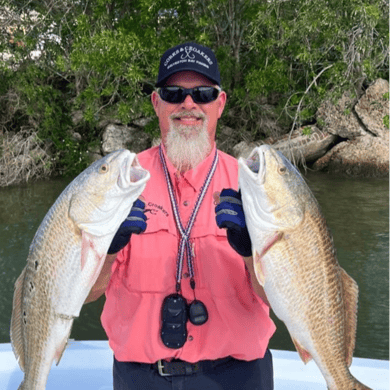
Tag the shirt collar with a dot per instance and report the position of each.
(195, 177)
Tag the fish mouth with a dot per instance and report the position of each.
(137, 173)
(252, 178)
(132, 172)
(255, 164)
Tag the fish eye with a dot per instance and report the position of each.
(282, 170)
(103, 168)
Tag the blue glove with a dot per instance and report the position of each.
(134, 223)
(230, 215)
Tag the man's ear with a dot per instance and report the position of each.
(221, 103)
(155, 100)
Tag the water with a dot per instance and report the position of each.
(357, 211)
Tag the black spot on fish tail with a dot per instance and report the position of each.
(36, 265)
(31, 286)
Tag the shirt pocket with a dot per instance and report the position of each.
(151, 262)
(205, 224)
(218, 268)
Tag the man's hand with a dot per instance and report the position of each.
(230, 215)
(134, 223)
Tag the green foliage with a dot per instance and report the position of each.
(44, 109)
(101, 57)
(320, 122)
(307, 131)
(386, 121)
(385, 96)
(307, 36)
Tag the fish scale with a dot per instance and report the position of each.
(43, 320)
(65, 259)
(295, 261)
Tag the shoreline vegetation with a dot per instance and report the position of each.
(71, 71)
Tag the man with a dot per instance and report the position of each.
(184, 309)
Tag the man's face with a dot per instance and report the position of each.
(188, 126)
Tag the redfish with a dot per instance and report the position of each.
(65, 259)
(295, 262)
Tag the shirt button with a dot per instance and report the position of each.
(185, 203)
(190, 338)
(186, 275)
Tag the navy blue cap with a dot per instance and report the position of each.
(188, 56)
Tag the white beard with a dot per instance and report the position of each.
(187, 146)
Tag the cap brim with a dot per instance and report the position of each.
(162, 82)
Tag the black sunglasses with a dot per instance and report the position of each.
(200, 95)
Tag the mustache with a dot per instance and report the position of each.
(193, 114)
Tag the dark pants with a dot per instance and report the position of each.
(231, 375)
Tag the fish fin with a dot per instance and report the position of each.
(88, 249)
(62, 346)
(303, 353)
(259, 270)
(17, 321)
(359, 386)
(70, 343)
(350, 296)
(271, 242)
(60, 352)
(86, 244)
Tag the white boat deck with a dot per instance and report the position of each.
(87, 365)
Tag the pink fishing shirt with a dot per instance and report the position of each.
(144, 273)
